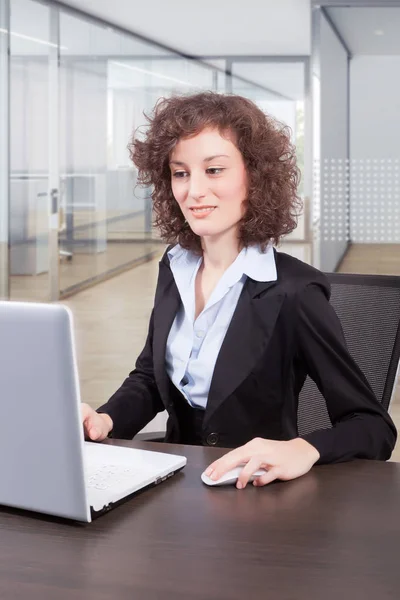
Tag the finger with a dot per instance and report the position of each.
(251, 467)
(91, 430)
(85, 411)
(218, 463)
(236, 457)
(271, 475)
(86, 426)
(94, 433)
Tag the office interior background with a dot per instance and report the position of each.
(75, 81)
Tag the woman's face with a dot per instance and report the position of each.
(209, 182)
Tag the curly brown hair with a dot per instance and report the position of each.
(272, 203)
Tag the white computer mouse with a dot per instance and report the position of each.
(230, 477)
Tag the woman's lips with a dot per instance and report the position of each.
(202, 211)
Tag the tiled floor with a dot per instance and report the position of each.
(111, 321)
(379, 259)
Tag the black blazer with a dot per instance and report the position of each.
(280, 332)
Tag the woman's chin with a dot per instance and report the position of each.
(204, 230)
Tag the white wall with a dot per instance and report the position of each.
(333, 147)
(374, 149)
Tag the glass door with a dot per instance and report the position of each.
(34, 189)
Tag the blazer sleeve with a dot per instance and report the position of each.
(361, 428)
(137, 401)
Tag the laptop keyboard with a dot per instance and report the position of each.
(105, 477)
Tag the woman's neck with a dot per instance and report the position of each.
(219, 253)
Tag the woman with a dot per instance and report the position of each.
(236, 327)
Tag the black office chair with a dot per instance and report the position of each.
(368, 307)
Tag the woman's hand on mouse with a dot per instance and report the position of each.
(283, 460)
(97, 426)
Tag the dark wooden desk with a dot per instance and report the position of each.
(333, 534)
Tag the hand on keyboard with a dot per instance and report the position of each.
(96, 426)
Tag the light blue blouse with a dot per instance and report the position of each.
(193, 345)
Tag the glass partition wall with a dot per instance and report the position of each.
(4, 145)
(29, 184)
(279, 86)
(78, 88)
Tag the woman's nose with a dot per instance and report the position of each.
(198, 187)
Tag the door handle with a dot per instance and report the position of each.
(54, 200)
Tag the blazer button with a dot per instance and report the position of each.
(212, 439)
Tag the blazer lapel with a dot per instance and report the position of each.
(165, 308)
(245, 341)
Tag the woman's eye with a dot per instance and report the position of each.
(180, 174)
(215, 170)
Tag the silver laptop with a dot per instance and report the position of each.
(45, 464)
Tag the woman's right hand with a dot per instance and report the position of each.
(97, 426)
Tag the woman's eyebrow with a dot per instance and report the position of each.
(209, 158)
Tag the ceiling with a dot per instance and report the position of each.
(213, 27)
(368, 30)
(81, 38)
(285, 78)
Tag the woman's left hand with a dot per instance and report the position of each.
(282, 460)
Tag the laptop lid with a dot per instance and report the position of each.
(41, 442)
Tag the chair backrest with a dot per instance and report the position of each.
(368, 307)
